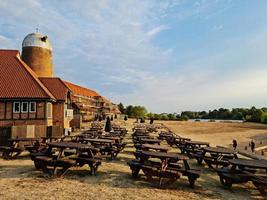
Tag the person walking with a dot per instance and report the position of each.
(234, 144)
(252, 146)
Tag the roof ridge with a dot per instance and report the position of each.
(83, 87)
(9, 50)
(65, 84)
(35, 78)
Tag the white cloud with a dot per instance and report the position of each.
(157, 30)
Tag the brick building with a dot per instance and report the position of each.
(88, 104)
(26, 99)
(31, 95)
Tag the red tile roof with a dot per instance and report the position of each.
(56, 86)
(18, 80)
(78, 90)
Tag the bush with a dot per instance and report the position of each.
(184, 118)
(164, 117)
(264, 118)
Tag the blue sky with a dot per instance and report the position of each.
(168, 55)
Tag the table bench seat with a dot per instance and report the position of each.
(92, 162)
(199, 157)
(173, 171)
(43, 162)
(212, 161)
(113, 151)
(32, 148)
(8, 152)
(227, 178)
(261, 184)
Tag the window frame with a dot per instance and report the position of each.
(21, 108)
(30, 106)
(49, 111)
(16, 102)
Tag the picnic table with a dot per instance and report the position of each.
(58, 163)
(18, 145)
(166, 171)
(244, 170)
(107, 146)
(149, 141)
(99, 141)
(215, 156)
(159, 148)
(108, 137)
(179, 142)
(192, 147)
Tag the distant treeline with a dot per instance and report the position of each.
(247, 114)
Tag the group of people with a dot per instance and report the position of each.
(251, 144)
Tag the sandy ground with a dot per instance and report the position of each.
(218, 133)
(20, 180)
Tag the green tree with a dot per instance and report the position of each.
(264, 118)
(171, 116)
(129, 110)
(139, 112)
(121, 108)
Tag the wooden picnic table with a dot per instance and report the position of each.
(255, 164)
(50, 139)
(149, 141)
(191, 147)
(160, 148)
(17, 145)
(244, 170)
(71, 145)
(167, 169)
(107, 146)
(163, 155)
(182, 139)
(218, 156)
(115, 138)
(65, 158)
(99, 141)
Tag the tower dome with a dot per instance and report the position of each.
(37, 40)
(37, 53)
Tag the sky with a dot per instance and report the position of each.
(167, 55)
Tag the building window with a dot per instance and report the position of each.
(49, 110)
(24, 107)
(32, 107)
(16, 107)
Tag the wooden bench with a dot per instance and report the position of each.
(93, 163)
(212, 161)
(8, 152)
(229, 177)
(113, 151)
(44, 162)
(173, 171)
(261, 184)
